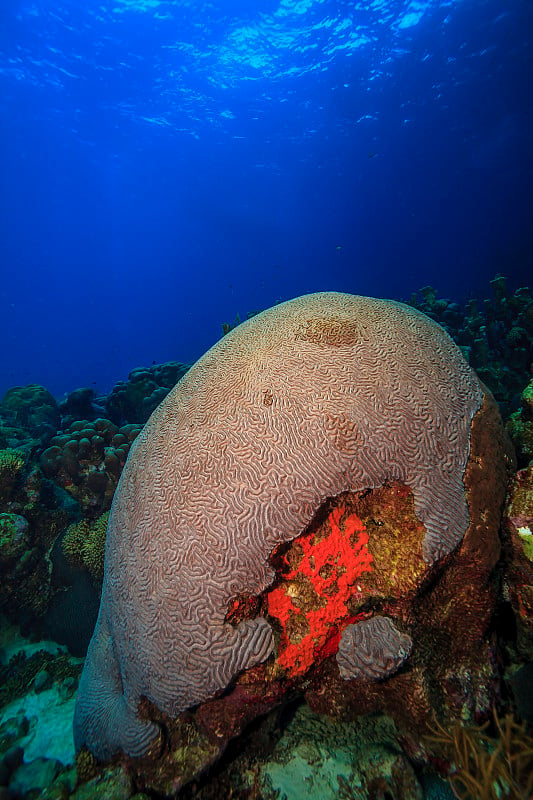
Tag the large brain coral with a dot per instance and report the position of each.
(320, 395)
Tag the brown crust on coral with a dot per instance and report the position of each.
(452, 667)
(490, 466)
(329, 332)
(518, 576)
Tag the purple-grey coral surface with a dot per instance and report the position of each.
(372, 649)
(325, 393)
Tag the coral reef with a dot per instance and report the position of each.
(133, 401)
(37, 689)
(517, 533)
(14, 538)
(79, 405)
(453, 665)
(321, 759)
(21, 670)
(230, 326)
(84, 545)
(28, 414)
(87, 460)
(454, 637)
(520, 427)
(223, 473)
(11, 465)
(495, 335)
(484, 766)
(32, 514)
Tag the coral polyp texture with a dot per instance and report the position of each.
(373, 648)
(324, 394)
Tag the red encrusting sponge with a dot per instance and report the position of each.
(332, 565)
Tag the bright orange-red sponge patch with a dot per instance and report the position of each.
(331, 565)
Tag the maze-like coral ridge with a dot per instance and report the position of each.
(316, 396)
(373, 648)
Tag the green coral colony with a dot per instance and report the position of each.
(60, 464)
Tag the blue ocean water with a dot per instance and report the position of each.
(166, 165)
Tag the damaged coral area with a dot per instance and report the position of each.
(384, 659)
(310, 603)
(424, 642)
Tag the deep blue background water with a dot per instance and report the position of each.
(164, 166)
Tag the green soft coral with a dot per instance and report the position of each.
(11, 465)
(13, 536)
(84, 545)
